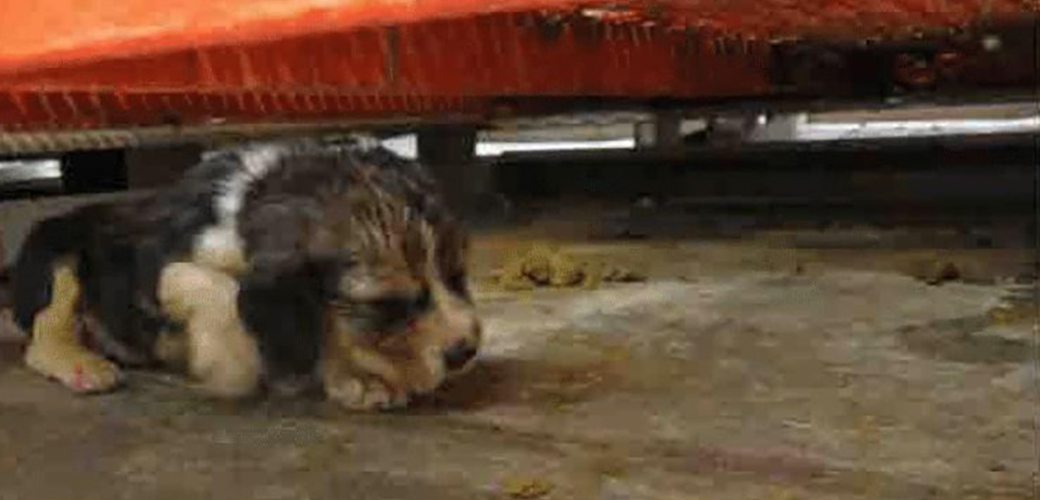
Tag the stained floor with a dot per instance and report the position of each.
(736, 370)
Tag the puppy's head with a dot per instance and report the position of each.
(359, 274)
(400, 319)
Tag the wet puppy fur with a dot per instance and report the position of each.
(273, 265)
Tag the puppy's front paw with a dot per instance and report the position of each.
(81, 372)
(365, 394)
(94, 375)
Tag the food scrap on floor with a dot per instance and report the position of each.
(547, 266)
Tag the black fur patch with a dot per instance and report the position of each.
(32, 272)
(119, 250)
(284, 306)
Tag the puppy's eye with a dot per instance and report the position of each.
(395, 308)
(458, 284)
(385, 315)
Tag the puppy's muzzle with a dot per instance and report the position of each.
(459, 355)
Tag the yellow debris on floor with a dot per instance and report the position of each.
(546, 266)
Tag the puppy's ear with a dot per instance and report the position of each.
(282, 303)
(284, 294)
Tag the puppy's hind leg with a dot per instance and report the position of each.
(55, 349)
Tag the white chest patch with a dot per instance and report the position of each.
(220, 246)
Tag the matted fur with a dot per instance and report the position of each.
(269, 264)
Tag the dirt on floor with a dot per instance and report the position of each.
(774, 366)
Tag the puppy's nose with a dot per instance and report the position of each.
(459, 354)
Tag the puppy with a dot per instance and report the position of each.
(268, 265)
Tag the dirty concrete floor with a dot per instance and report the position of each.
(737, 370)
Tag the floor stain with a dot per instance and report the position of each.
(963, 340)
(553, 386)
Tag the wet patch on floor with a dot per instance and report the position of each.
(1000, 335)
(524, 382)
(964, 340)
